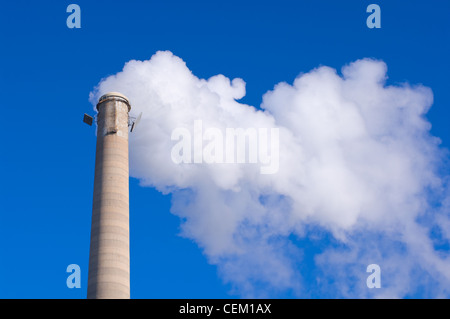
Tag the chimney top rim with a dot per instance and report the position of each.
(104, 97)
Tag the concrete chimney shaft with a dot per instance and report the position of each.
(109, 256)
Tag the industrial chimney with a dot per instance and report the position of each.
(109, 256)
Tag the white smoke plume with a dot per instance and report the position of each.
(359, 179)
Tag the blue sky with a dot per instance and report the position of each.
(48, 71)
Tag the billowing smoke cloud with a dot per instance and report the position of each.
(358, 180)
